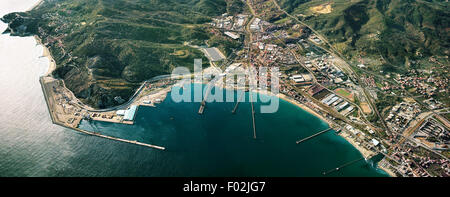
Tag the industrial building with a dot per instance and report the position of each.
(130, 113)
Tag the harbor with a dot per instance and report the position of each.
(177, 126)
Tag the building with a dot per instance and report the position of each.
(334, 99)
(120, 112)
(297, 78)
(307, 77)
(342, 106)
(328, 98)
(255, 25)
(232, 35)
(130, 113)
(375, 142)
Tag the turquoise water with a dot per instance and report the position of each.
(219, 143)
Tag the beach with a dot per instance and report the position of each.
(366, 153)
(46, 53)
(304, 107)
(386, 169)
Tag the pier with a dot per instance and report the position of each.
(203, 104)
(237, 103)
(315, 135)
(117, 139)
(342, 166)
(253, 116)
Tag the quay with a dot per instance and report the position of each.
(315, 135)
(48, 96)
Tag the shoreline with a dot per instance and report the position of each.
(46, 53)
(46, 81)
(363, 151)
(387, 170)
(304, 107)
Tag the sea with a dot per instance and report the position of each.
(215, 144)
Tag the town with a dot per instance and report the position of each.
(403, 116)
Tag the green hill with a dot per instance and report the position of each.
(105, 48)
(381, 29)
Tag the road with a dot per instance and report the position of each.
(334, 52)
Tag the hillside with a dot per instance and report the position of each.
(383, 30)
(105, 48)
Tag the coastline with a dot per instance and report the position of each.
(46, 81)
(46, 53)
(387, 170)
(304, 107)
(364, 152)
(52, 65)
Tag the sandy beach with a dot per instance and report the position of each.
(46, 53)
(387, 170)
(366, 153)
(304, 107)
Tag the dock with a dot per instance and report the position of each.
(342, 166)
(315, 135)
(77, 120)
(237, 103)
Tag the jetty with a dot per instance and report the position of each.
(342, 166)
(203, 103)
(237, 103)
(315, 135)
(253, 116)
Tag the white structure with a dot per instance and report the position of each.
(120, 112)
(375, 142)
(232, 35)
